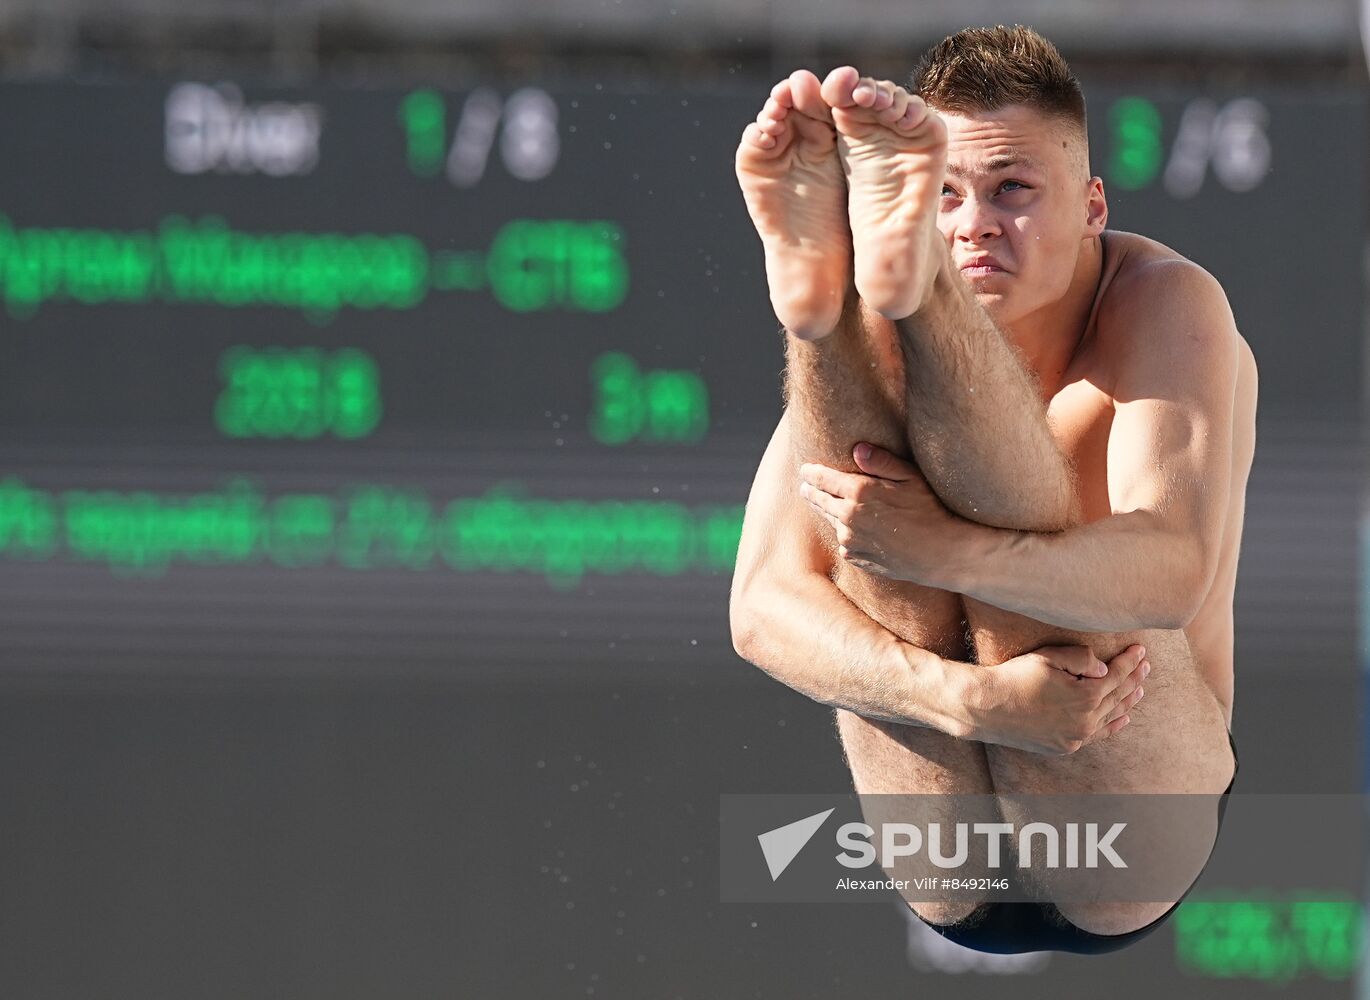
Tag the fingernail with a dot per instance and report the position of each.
(863, 451)
(1141, 652)
(1140, 693)
(1146, 669)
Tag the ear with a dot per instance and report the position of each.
(1096, 209)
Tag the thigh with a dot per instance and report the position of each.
(889, 760)
(1176, 743)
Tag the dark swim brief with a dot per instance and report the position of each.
(1013, 928)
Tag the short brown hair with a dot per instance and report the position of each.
(981, 69)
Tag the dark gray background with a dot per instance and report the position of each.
(260, 782)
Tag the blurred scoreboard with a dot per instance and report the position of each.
(473, 383)
(477, 381)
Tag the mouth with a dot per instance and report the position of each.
(975, 267)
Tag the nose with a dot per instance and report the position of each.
(975, 220)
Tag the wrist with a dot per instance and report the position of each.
(973, 557)
(937, 693)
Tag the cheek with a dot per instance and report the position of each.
(1042, 247)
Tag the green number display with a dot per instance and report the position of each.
(657, 406)
(298, 393)
(1136, 152)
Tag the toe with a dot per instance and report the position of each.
(781, 93)
(838, 86)
(884, 95)
(808, 96)
(773, 109)
(866, 94)
(802, 80)
(754, 135)
(770, 126)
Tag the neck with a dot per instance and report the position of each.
(1050, 337)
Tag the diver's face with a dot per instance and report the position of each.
(1016, 207)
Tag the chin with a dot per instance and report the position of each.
(993, 303)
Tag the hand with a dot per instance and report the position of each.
(887, 519)
(1056, 699)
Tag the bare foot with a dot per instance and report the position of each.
(894, 153)
(792, 182)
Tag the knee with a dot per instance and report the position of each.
(943, 913)
(1113, 918)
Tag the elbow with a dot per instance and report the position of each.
(1187, 608)
(742, 623)
(743, 634)
(1182, 599)
(1172, 617)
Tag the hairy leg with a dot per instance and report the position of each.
(843, 388)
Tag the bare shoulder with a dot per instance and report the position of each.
(1144, 276)
(1158, 304)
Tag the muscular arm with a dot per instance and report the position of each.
(1151, 563)
(789, 618)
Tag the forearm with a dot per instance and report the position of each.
(1119, 574)
(807, 635)
(977, 420)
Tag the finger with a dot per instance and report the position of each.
(833, 522)
(1122, 666)
(863, 561)
(1077, 660)
(1121, 705)
(876, 461)
(835, 507)
(1109, 728)
(838, 484)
